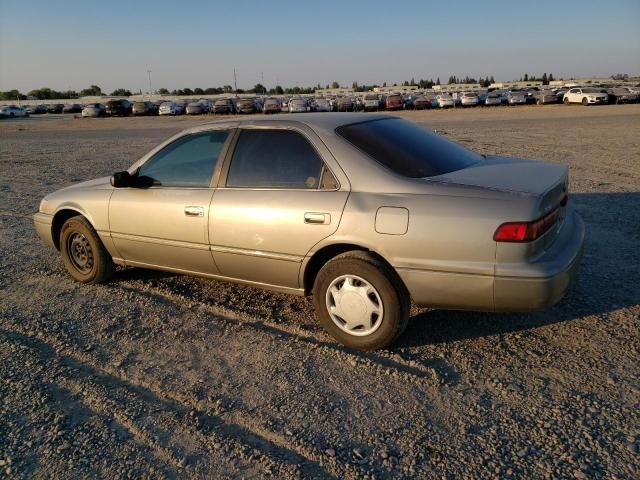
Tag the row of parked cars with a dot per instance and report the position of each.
(362, 102)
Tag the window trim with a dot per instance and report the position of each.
(231, 132)
(224, 172)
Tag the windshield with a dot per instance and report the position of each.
(408, 149)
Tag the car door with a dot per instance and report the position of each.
(280, 193)
(573, 94)
(165, 224)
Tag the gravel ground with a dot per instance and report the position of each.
(156, 375)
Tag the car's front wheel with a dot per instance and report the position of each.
(361, 301)
(83, 253)
(585, 102)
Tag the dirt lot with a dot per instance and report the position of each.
(157, 375)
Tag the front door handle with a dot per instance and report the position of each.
(317, 218)
(194, 211)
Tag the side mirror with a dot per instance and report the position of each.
(121, 180)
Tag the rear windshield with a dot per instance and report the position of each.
(407, 149)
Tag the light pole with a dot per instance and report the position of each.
(235, 82)
(149, 74)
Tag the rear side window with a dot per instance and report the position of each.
(274, 159)
(187, 162)
(407, 149)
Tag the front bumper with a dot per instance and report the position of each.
(42, 223)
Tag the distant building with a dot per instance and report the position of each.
(456, 87)
(335, 91)
(503, 85)
(396, 89)
(574, 82)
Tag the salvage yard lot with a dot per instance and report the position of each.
(161, 375)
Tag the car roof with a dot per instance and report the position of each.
(321, 121)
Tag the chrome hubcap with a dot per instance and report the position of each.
(354, 305)
(80, 252)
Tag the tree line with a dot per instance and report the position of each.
(94, 90)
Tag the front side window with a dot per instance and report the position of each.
(187, 162)
(274, 159)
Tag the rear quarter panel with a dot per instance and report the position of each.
(447, 255)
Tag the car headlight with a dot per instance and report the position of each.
(44, 206)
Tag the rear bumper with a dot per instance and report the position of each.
(42, 223)
(521, 287)
(544, 282)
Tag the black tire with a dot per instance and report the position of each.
(393, 294)
(77, 234)
(585, 102)
(565, 100)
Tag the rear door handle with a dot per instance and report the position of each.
(194, 211)
(317, 218)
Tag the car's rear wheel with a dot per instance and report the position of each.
(565, 100)
(361, 301)
(83, 254)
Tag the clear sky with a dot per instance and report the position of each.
(112, 43)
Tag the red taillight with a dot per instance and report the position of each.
(565, 200)
(511, 232)
(526, 231)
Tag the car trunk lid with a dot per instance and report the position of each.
(546, 182)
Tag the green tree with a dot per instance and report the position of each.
(335, 84)
(12, 95)
(93, 90)
(163, 91)
(198, 91)
(278, 90)
(259, 88)
(121, 92)
(545, 80)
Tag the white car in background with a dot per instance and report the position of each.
(516, 98)
(371, 103)
(298, 105)
(493, 98)
(169, 108)
(585, 96)
(469, 99)
(13, 111)
(444, 100)
(321, 105)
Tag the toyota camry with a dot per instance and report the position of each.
(366, 213)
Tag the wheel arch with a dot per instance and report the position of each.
(314, 264)
(59, 218)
